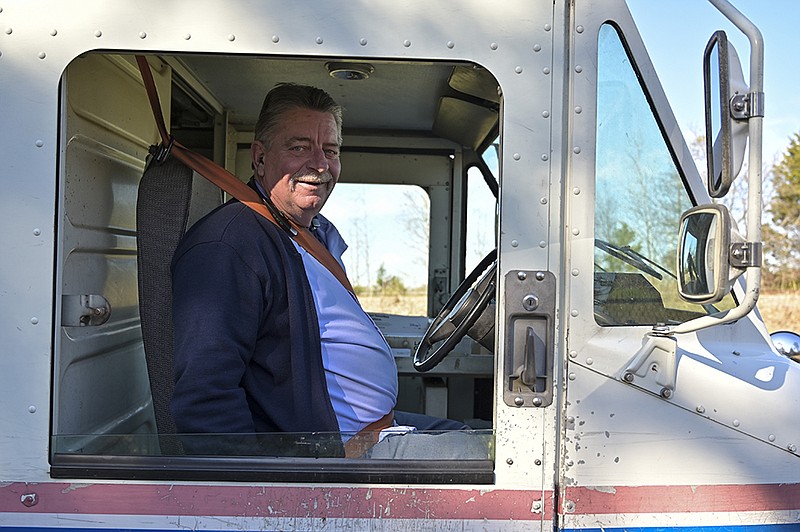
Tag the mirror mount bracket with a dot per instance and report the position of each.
(746, 254)
(654, 367)
(746, 106)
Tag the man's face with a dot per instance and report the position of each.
(301, 166)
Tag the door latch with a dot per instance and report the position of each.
(84, 310)
(529, 344)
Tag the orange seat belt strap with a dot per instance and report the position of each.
(231, 184)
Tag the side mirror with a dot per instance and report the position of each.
(727, 106)
(787, 343)
(704, 269)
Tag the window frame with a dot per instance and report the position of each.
(234, 468)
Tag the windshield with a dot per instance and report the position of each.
(640, 198)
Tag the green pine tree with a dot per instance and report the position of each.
(782, 240)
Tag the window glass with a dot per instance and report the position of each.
(398, 443)
(639, 200)
(481, 212)
(386, 228)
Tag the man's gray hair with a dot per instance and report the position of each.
(288, 96)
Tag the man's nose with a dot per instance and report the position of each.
(318, 161)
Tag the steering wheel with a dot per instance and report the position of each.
(458, 315)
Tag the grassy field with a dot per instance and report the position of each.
(780, 311)
(413, 303)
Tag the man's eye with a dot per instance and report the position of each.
(297, 148)
(332, 154)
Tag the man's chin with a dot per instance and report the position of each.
(311, 205)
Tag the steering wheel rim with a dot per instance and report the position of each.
(483, 278)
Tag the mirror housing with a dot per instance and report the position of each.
(727, 111)
(787, 343)
(705, 272)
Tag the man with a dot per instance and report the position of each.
(266, 338)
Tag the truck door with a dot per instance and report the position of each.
(626, 190)
(650, 434)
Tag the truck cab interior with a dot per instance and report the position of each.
(416, 201)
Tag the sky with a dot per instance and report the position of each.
(678, 61)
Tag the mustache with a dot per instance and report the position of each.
(308, 176)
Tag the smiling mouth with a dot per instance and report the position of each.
(312, 181)
(315, 180)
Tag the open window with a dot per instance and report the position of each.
(408, 128)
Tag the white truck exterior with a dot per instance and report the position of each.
(702, 438)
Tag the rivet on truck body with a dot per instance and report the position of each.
(29, 499)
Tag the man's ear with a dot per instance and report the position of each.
(257, 154)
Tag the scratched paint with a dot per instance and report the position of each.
(274, 501)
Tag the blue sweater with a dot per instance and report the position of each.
(247, 343)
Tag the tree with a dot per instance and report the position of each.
(360, 235)
(785, 206)
(736, 198)
(415, 219)
(782, 240)
(389, 284)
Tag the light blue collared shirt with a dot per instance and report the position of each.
(360, 370)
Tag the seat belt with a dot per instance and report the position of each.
(231, 184)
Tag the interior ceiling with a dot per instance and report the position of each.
(396, 96)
